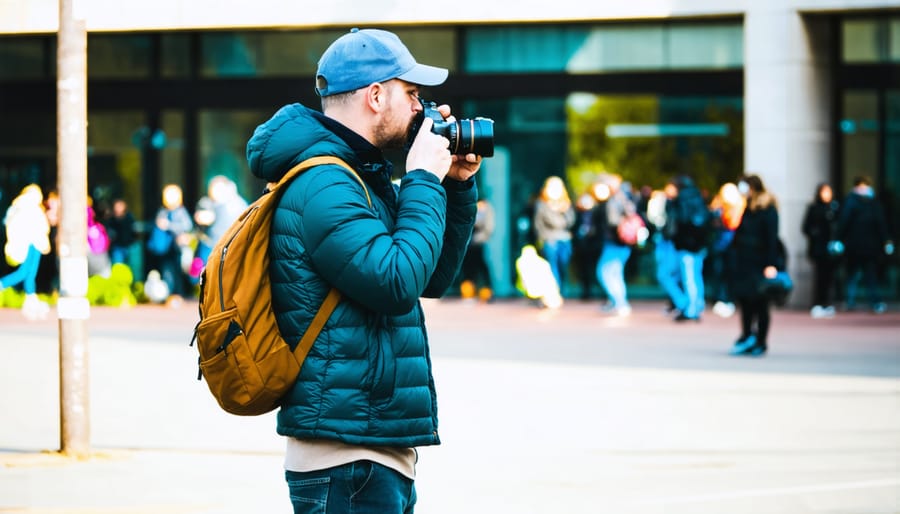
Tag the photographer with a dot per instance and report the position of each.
(365, 396)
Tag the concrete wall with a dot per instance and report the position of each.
(112, 15)
(20, 16)
(787, 111)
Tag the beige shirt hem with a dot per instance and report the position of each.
(305, 455)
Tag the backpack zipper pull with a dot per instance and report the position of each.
(194, 337)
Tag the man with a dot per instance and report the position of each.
(689, 224)
(365, 397)
(863, 229)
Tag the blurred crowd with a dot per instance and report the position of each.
(718, 252)
(168, 258)
(721, 253)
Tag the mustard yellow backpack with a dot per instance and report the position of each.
(248, 366)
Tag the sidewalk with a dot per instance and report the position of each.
(541, 412)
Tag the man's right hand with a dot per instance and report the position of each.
(429, 152)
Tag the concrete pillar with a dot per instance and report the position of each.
(787, 118)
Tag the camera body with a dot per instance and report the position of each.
(466, 136)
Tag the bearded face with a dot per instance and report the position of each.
(392, 129)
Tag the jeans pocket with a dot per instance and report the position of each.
(361, 475)
(309, 492)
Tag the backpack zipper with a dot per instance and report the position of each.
(222, 259)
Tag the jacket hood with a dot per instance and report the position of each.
(291, 135)
(762, 200)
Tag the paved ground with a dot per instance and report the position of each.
(541, 412)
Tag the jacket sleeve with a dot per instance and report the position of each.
(351, 248)
(462, 199)
(770, 225)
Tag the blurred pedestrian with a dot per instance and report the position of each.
(214, 214)
(27, 238)
(121, 230)
(554, 217)
(587, 235)
(98, 244)
(727, 207)
(475, 272)
(615, 254)
(668, 273)
(819, 223)
(169, 239)
(862, 229)
(689, 226)
(754, 256)
(48, 272)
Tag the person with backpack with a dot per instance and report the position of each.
(616, 252)
(689, 227)
(364, 398)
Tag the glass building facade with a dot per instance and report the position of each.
(646, 100)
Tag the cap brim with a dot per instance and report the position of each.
(425, 75)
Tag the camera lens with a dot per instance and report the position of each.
(473, 136)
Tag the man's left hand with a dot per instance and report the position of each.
(464, 166)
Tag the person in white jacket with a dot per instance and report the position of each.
(27, 238)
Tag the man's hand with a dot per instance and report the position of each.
(463, 167)
(429, 152)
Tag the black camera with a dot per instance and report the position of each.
(466, 136)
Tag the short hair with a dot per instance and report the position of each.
(337, 99)
(861, 180)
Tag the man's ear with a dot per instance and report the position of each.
(376, 97)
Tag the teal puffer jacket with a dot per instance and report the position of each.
(367, 379)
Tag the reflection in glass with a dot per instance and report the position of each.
(119, 56)
(115, 164)
(603, 48)
(859, 125)
(21, 58)
(175, 54)
(223, 148)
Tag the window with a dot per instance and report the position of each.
(119, 56)
(604, 48)
(870, 40)
(22, 58)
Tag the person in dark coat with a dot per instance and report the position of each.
(754, 257)
(365, 397)
(862, 229)
(818, 227)
(121, 229)
(587, 235)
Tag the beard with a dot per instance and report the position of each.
(392, 135)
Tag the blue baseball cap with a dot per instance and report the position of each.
(363, 57)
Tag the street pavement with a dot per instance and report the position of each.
(566, 411)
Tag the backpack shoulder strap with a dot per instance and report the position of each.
(334, 296)
(318, 161)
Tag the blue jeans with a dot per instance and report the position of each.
(26, 273)
(361, 487)
(118, 254)
(558, 254)
(668, 272)
(611, 272)
(692, 281)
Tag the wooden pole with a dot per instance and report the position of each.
(73, 306)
